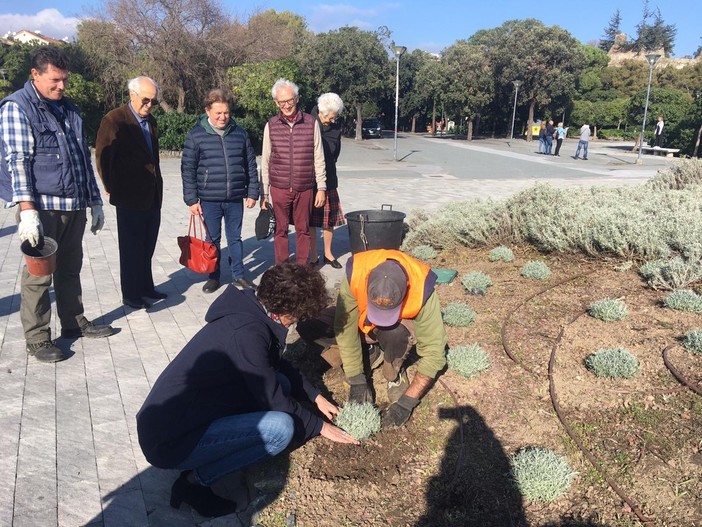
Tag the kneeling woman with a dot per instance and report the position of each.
(228, 400)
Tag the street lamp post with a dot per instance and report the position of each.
(398, 50)
(514, 110)
(652, 58)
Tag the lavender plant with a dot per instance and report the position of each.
(501, 253)
(613, 363)
(476, 283)
(692, 341)
(536, 270)
(541, 474)
(684, 300)
(458, 314)
(361, 420)
(424, 252)
(608, 309)
(675, 273)
(468, 360)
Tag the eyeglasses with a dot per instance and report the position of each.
(145, 101)
(289, 102)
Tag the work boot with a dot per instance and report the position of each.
(45, 351)
(88, 329)
(398, 387)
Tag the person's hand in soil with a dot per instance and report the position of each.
(398, 413)
(336, 434)
(329, 409)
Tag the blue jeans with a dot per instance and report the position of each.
(549, 144)
(235, 442)
(233, 214)
(542, 145)
(584, 145)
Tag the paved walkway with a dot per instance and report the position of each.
(69, 454)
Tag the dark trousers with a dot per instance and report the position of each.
(559, 142)
(67, 229)
(137, 231)
(291, 205)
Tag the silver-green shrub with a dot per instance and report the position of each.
(474, 223)
(501, 253)
(682, 174)
(476, 283)
(424, 252)
(536, 270)
(614, 363)
(608, 309)
(684, 300)
(458, 314)
(674, 273)
(468, 360)
(692, 341)
(361, 420)
(541, 474)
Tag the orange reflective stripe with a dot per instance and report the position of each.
(365, 262)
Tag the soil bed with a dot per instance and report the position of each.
(450, 465)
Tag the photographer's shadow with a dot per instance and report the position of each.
(473, 487)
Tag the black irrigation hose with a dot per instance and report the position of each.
(554, 401)
(503, 331)
(676, 373)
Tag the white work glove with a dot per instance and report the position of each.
(98, 218)
(29, 228)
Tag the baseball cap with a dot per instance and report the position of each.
(387, 288)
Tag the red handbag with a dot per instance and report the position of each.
(196, 253)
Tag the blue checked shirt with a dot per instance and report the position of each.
(18, 140)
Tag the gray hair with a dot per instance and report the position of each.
(284, 83)
(330, 102)
(135, 83)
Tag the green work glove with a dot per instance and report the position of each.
(359, 393)
(398, 413)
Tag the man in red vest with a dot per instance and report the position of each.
(292, 163)
(387, 298)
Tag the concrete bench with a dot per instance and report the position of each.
(660, 151)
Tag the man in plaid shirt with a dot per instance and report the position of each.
(45, 168)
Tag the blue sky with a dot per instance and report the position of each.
(428, 25)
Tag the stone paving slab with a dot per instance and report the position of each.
(68, 444)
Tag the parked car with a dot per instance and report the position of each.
(370, 128)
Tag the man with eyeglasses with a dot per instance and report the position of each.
(126, 151)
(291, 163)
(45, 169)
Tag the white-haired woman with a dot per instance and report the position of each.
(329, 108)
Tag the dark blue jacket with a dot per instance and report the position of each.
(228, 368)
(218, 168)
(51, 164)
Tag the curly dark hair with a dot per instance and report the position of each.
(295, 290)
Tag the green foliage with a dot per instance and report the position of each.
(611, 32)
(608, 309)
(684, 300)
(537, 270)
(87, 95)
(501, 253)
(613, 363)
(424, 252)
(476, 283)
(361, 420)
(617, 134)
(172, 129)
(541, 474)
(674, 273)
(469, 360)
(470, 224)
(673, 104)
(692, 341)
(458, 314)
(468, 82)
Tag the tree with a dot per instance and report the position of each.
(656, 35)
(270, 35)
(350, 62)
(548, 61)
(430, 85)
(611, 32)
(674, 105)
(469, 86)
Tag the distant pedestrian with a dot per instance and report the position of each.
(583, 142)
(560, 135)
(550, 133)
(659, 131)
(542, 138)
